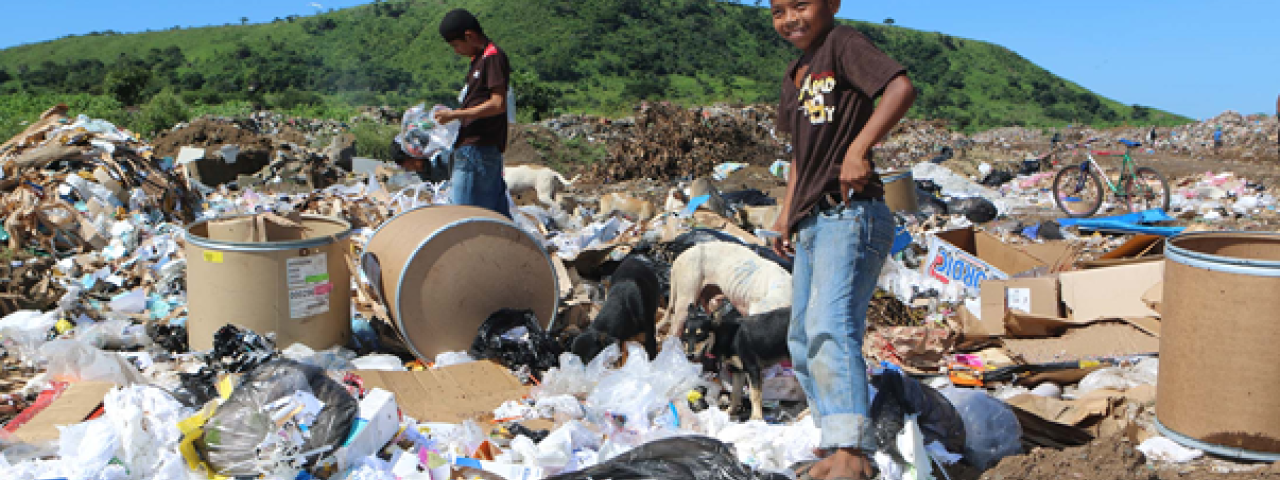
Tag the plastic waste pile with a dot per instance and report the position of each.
(1215, 196)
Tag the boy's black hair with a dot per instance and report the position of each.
(455, 24)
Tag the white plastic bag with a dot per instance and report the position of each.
(421, 137)
(26, 331)
(1161, 449)
(1121, 378)
(379, 361)
(74, 361)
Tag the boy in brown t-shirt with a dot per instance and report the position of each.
(477, 154)
(835, 208)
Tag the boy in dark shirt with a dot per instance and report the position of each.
(477, 154)
(835, 209)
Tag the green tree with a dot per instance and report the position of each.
(127, 84)
(161, 113)
(534, 99)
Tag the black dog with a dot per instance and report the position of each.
(748, 345)
(629, 312)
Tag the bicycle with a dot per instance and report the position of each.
(1078, 192)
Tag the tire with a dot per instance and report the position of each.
(1141, 190)
(1068, 184)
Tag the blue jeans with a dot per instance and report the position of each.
(839, 253)
(477, 179)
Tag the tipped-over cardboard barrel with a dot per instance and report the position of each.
(443, 270)
(291, 279)
(1219, 382)
(900, 192)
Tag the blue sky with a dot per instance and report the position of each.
(1193, 57)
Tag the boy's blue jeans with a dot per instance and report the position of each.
(477, 179)
(839, 253)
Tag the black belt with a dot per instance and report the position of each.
(832, 199)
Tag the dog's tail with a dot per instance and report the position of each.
(567, 183)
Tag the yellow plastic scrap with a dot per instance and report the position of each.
(192, 429)
(226, 385)
(63, 326)
(694, 396)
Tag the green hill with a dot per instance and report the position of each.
(597, 56)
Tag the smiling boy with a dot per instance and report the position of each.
(835, 209)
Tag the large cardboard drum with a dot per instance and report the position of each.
(1219, 379)
(300, 289)
(443, 270)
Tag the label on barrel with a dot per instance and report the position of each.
(307, 271)
(309, 285)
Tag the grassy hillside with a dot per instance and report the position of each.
(597, 56)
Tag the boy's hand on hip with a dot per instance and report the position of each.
(782, 244)
(855, 172)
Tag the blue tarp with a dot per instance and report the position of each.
(1138, 222)
(694, 203)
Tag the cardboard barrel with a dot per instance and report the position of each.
(1219, 380)
(900, 191)
(443, 270)
(299, 288)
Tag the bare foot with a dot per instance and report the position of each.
(843, 463)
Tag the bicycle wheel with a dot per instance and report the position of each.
(1147, 189)
(1077, 192)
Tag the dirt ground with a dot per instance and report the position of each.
(1118, 459)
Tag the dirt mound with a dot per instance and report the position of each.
(208, 133)
(1115, 459)
(670, 142)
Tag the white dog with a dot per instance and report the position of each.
(751, 283)
(546, 182)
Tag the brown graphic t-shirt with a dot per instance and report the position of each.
(489, 74)
(827, 111)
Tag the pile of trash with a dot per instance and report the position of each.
(1214, 196)
(666, 142)
(257, 153)
(916, 140)
(985, 337)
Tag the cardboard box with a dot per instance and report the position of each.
(1036, 296)
(450, 394)
(969, 258)
(1112, 292)
(1154, 297)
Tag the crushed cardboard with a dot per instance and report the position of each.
(451, 394)
(1112, 292)
(1103, 339)
(74, 405)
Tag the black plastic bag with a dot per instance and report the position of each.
(898, 395)
(537, 350)
(233, 436)
(930, 205)
(748, 198)
(976, 209)
(237, 350)
(678, 458)
(996, 178)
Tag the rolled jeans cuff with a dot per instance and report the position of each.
(847, 430)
